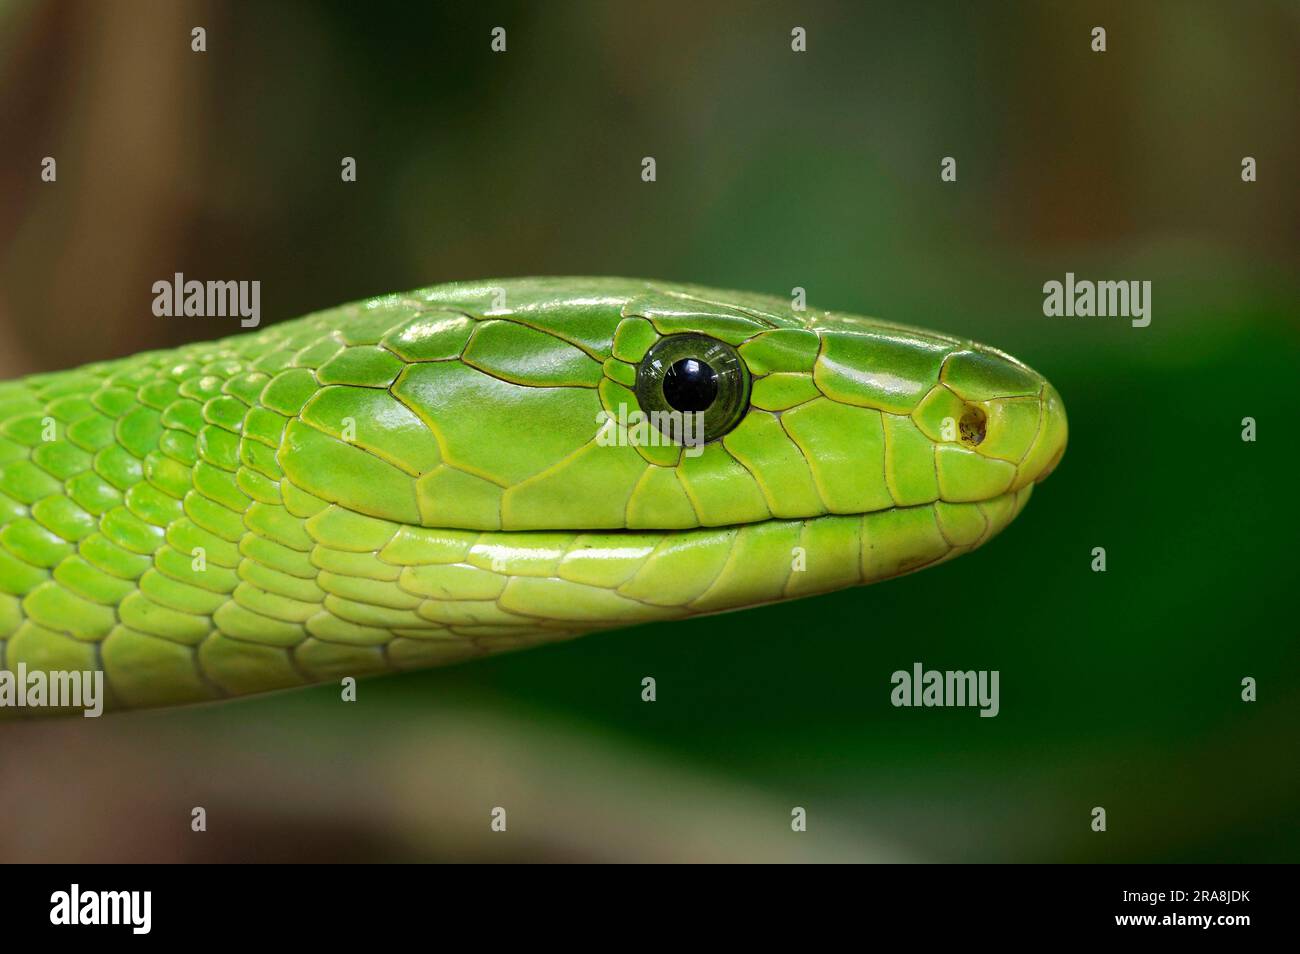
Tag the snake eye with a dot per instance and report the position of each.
(690, 385)
(693, 374)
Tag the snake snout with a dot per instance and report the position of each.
(1012, 418)
(1049, 443)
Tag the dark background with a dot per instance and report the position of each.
(1119, 689)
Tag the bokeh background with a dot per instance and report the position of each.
(775, 169)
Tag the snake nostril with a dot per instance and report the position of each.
(972, 425)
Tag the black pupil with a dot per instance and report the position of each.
(690, 385)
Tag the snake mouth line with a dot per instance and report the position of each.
(1050, 466)
(680, 532)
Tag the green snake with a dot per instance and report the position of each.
(423, 478)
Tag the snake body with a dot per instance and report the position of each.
(423, 478)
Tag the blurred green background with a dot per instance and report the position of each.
(1119, 689)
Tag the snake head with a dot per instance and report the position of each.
(701, 442)
(608, 404)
